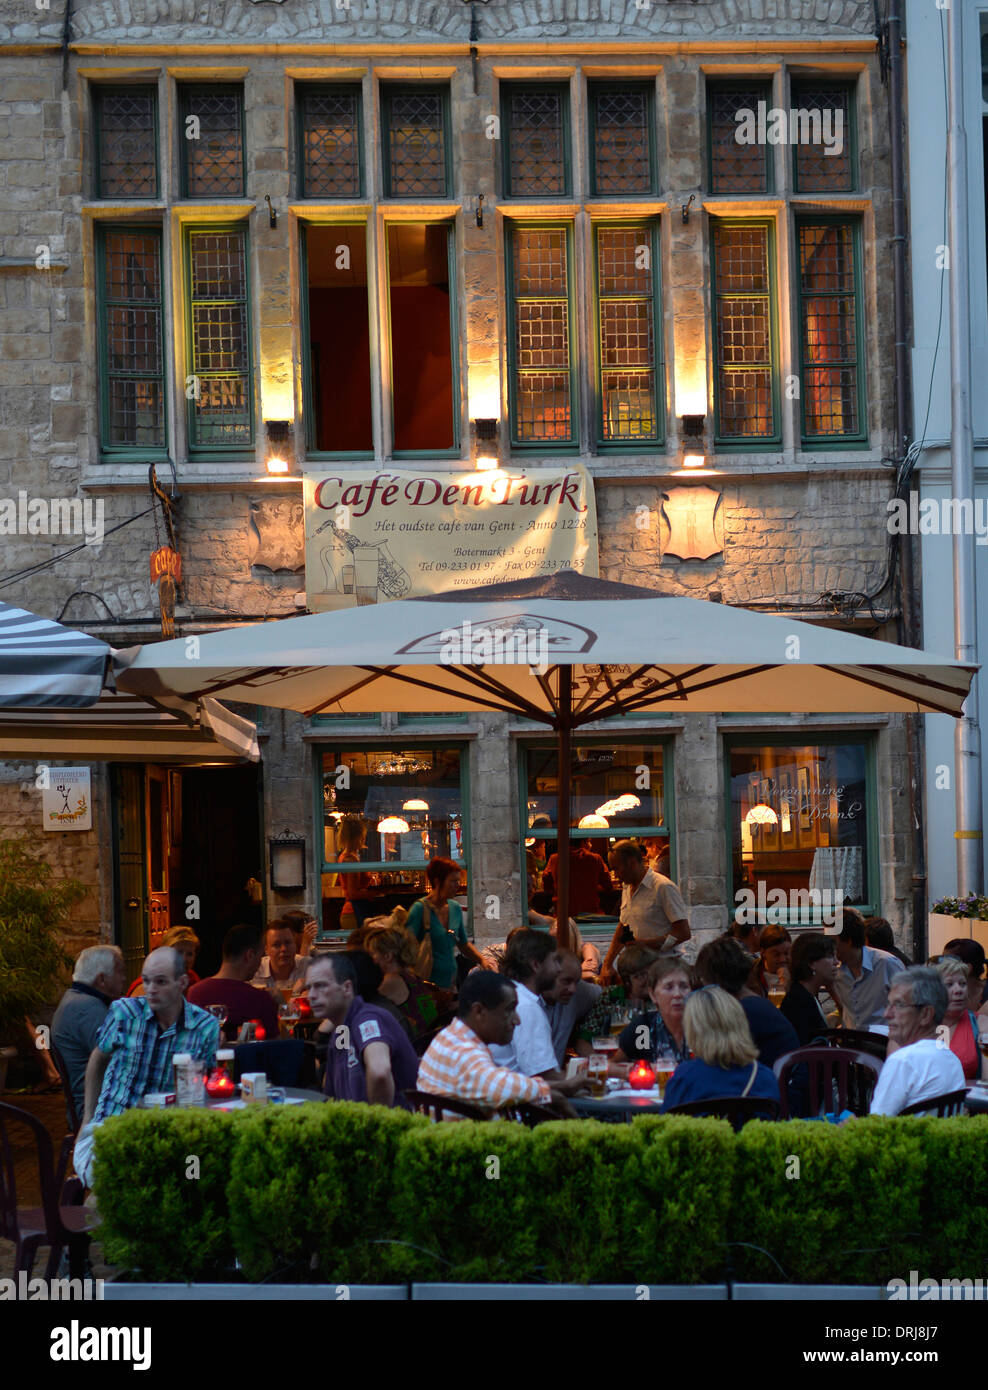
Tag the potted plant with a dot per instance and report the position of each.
(954, 917)
(33, 903)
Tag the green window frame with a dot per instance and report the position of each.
(814, 171)
(831, 332)
(746, 337)
(219, 350)
(536, 157)
(125, 142)
(803, 738)
(329, 140)
(733, 167)
(131, 346)
(219, 108)
(630, 379)
(402, 104)
(542, 353)
(613, 107)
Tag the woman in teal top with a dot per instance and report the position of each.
(446, 929)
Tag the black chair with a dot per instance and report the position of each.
(738, 1109)
(421, 1044)
(857, 1039)
(838, 1078)
(53, 1223)
(425, 1103)
(285, 1061)
(71, 1189)
(529, 1114)
(950, 1103)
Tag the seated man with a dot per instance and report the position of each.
(136, 1044)
(567, 1003)
(230, 985)
(459, 1064)
(369, 1056)
(532, 964)
(918, 1066)
(861, 984)
(282, 967)
(98, 979)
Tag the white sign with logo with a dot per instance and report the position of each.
(67, 804)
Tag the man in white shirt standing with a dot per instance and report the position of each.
(653, 913)
(532, 963)
(920, 1066)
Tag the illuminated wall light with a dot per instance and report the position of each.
(694, 460)
(280, 450)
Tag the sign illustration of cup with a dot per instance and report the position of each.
(366, 566)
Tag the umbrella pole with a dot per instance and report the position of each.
(563, 805)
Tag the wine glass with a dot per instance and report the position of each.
(288, 1015)
(220, 1012)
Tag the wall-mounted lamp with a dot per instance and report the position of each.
(480, 209)
(485, 432)
(287, 853)
(279, 434)
(272, 215)
(694, 460)
(686, 207)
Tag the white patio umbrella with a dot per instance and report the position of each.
(603, 648)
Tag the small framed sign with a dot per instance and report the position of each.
(67, 804)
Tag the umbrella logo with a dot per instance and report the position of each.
(510, 640)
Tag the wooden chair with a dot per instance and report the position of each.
(738, 1109)
(857, 1039)
(950, 1103)
(421, 1044)
(838, 1078)
(425, 1103)
(53, 1223)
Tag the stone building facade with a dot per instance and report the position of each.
(768, 351)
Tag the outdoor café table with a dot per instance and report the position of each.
(292, 1093)
(977, 1099)
(617, 1108)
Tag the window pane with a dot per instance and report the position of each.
(536, 153)
(381, 784)
(132, 344)
(599, 776)
(339, 338)
(815, 832)
(541, 335)
(822, 139)
(626, 346)
(743, 331)
(621, 142)
(735, 167)
(416, 154)
(829, 329)
(214, 162)
(126, 156)
(220, 355)
(421, 342)
(330, 138)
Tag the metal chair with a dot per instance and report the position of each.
(53, 1223)
(71, 1189)
(950, 1103)
(738, 1109)
(437, 1107)
(857, 1039)
(838, 1078)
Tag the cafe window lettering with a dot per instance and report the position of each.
(800, 820)
(386, 812)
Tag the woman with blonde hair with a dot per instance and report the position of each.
(184, 939)
(725, 1060)
(659, 1032)
(963, 1024)
(395, 951)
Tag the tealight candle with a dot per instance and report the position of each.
(641, 1077)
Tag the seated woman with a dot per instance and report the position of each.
(725, 1063)
(775, 950)
(183, 939)
(963, 1024)
(814, 965)
(972, 953)
(660, 1033)
(725, 962)
(395, 951)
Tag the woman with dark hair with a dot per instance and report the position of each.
(814, 965)
(726, 963)
(442, 917)
(878, 933)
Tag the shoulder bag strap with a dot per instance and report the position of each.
(751, 1078)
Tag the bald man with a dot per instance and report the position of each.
(136, 1043)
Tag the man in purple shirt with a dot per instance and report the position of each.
(370, 1057)
(243, 947)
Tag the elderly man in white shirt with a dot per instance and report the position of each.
(919, 1066)
(532, 963)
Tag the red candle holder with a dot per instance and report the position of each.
(641, 1077)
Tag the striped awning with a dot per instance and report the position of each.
(125, 728)
(46, 665)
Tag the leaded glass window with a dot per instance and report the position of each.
(829, 329)
(626, 334)
(543, 387)
(622, 155)
(329, 141)
(416, 149)
(132, 356)
(739, 160)
(218, 316)
(535, 122)
(822, 137)
(126, 155)
(212, 142)
(744, 339)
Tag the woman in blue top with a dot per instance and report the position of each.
(445, 919)
(725, 1061)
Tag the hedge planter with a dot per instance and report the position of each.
(944, 928)
(358, 1196)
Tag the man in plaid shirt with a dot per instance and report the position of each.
(458, 1063)
(136, 1043)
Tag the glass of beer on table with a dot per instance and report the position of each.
(597, 1073)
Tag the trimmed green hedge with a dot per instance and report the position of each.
(358, 1194)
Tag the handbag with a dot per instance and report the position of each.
(424, 961)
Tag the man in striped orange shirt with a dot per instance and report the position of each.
(458, 1062)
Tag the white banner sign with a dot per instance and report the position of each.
(372, 536)
(67, 804)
